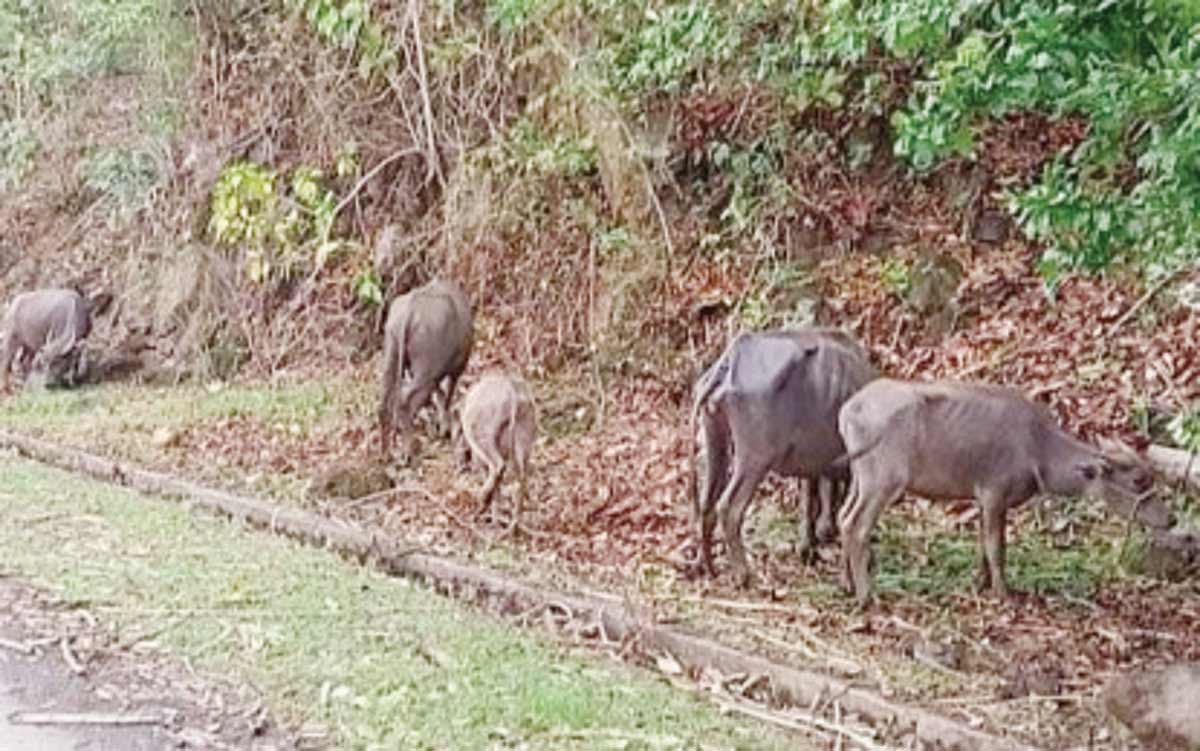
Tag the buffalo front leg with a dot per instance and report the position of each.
(7, 352)
(992, 522)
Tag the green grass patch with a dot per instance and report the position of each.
(937, 562)
(125, 414)
(384, 662)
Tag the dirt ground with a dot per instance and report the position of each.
(99, 691)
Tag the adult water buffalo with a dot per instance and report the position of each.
(770, 404)
(427, 341)
(948, 440)
(47, 328)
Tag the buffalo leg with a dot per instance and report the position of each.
(11, 350)
(732, 509)
(488, 494)
(716, 467)
(443, 404)
(831, 493)
(412, 398)
(808, 539)
(871, 499)
(992, 522)
(518, 502)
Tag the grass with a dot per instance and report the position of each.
(1075, 564)
(115, 405)
(383, 662)
(120, 421)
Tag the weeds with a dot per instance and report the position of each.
(125, 177)
(1066, 563)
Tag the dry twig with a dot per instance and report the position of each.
(84, 718)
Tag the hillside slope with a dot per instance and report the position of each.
(1002, 192)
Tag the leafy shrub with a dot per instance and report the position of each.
(511, 16)
(279, 235)
(18, 149)
(1131, 68)
(244, 204)
(124, 176)
(896, 276)
(368, 288)
(1184, 429)
(668, 46)
(531, 150)
(348, 25)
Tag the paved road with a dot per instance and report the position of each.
(28, 684)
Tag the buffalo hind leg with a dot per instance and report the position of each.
(831, 494)
(716, 467)
(412, 398)
(732, 509)
(808, 534)
(856, 535)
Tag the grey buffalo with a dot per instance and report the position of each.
(45, 330)
(770, 404)
(427, 341)
(498, 426)
(947, 440)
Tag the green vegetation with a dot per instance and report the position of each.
(348, 26)
(48, 52)
(248, 213)
(171, 406)
(377, 660)
(1082, 557)
(1129, 71)
(1184, 429)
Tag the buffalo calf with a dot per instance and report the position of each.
(498, 427)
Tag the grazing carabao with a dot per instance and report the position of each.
(948, 440)
(427, 342)
(770, 404)
(45, 330)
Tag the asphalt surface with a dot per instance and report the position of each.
(33, 684)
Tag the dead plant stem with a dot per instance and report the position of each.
(83, 718)
(1141, 301)
(362, 181)
(434, 167)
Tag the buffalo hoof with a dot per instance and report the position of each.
(744, 579)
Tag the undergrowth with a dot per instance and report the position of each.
(1069, 552)
(509, 143)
